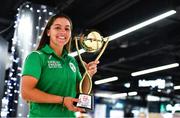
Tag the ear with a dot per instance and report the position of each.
(48, 33)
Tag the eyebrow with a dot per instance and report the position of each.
(60, 25)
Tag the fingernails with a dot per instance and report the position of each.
(83, 110)
(97, 61)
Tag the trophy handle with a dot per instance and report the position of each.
(103, 49)
(86, 72)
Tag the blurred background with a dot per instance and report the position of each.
(138, 75)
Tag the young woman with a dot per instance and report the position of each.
(50, 76)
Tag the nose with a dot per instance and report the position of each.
(62, 30)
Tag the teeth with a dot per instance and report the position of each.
(61, 37)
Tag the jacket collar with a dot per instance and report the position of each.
(47, 49)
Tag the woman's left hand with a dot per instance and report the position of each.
(92, 67)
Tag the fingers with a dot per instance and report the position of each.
(74, 100)
(92, 70)
(81, 109)
(76, 109)
(68, 102)
(92, 67)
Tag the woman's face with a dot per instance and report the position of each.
(59, 32)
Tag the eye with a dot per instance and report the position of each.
(67, 29)
(58, 28)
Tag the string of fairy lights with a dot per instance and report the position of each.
(29, 24)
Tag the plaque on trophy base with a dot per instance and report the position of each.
(86, 101)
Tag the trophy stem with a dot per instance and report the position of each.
(86, 72)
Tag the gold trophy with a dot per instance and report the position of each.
(92, 42)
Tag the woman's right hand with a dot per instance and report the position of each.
(68, 102)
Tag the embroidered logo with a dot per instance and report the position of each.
(50, 56)
(54, 64)
(73, 68)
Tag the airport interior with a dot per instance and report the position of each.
(138, 75)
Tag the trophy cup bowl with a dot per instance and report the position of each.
(92, 42)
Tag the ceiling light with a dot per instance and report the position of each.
(119, 95)
(141, 25)
(110, 95)
(106, 80)
(103, 95)
(176, 87)
(127, 85)
(152, 98)
(160, 68)
(75, 53)
(132, 93)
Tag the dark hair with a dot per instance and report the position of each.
(45, 38)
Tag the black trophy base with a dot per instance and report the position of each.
(86, 101)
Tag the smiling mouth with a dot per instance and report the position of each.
(61, 38)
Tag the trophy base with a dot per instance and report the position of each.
(86, 101)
